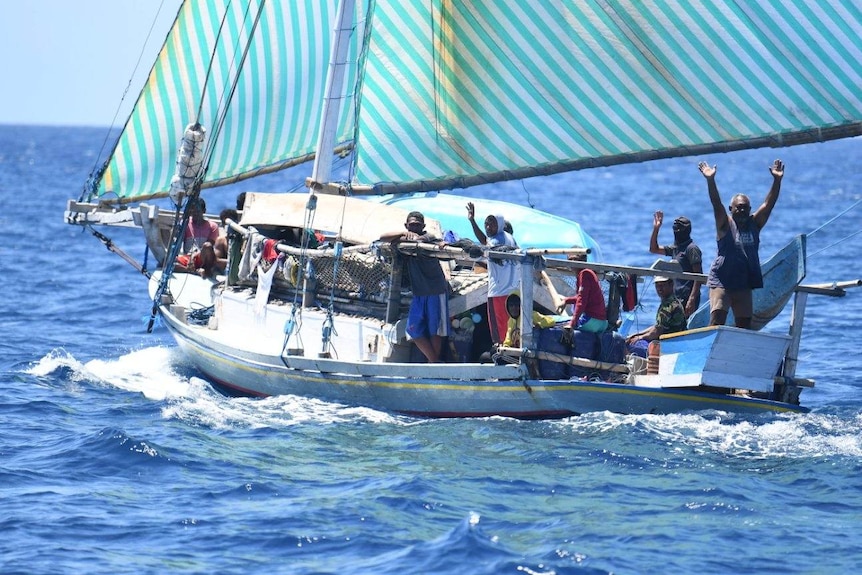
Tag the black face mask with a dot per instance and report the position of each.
(681, 236)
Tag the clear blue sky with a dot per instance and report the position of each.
(68, 62)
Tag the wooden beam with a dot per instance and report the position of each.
(516, 352)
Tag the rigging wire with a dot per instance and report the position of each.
(181, 224)
(830, 221)
(224, 104)
(357, 88)
(112, 247)
(212, 60)
(97, 171)
(826, 223)
(329, 324)
(832, 245)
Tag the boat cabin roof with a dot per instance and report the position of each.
(358, 221)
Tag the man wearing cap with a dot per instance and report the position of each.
(736, 269)
(428, 318)
(670, 318)
(687, 253)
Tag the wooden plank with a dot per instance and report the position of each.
(733, 381)
(515, 352)
(800, 381)
(454, 371)
(573, 267)
(658, 381)
(834, 289)
(733, 351)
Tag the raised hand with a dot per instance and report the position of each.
(471, 211)
(777, 169)
(657, 219)
(707, 171)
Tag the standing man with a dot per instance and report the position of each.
(428, 318)
(687, 253)
(736, 269)
(504, 276)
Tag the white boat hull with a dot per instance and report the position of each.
(246, 363)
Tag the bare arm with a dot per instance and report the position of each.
(657, 220)
(765, 210)
(721, 224)
(471, 216)
(392, 236)
(651, 333)
(696, 268)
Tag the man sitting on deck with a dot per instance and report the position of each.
(670, 318)
(513, 328)
(199, 255)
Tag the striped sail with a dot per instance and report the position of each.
(461, 93)
(273, 115)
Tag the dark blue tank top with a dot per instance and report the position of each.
(737, 264)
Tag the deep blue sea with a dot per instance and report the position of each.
(116, 457)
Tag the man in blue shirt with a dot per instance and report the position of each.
(428, 318)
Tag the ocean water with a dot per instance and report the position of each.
(116, 457)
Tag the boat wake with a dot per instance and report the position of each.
(791, 436)
(161, 374)
(149, 371)
(211, 409)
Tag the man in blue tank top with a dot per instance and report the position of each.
(736, 269)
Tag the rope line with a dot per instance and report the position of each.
(212, 60)
(826, 223)
(96, 173)
(832, 245)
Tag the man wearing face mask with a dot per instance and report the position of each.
(736, 269)
(687, 253)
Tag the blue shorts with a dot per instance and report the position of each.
(429, 315)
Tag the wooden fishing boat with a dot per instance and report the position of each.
(374, 364)
(430, 96)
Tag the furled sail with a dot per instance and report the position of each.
(460, 93)
(273, 113)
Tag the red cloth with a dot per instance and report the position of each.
(589, 299)
(269, 253)
(185, 260)
(498, 318)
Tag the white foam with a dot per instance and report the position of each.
(790, 435)
(211, 409)
(147, 371)
(152, 372)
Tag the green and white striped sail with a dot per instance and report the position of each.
(274, 114)
(460, 93)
